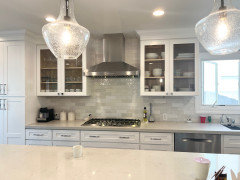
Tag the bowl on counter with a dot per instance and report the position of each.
(151, 55)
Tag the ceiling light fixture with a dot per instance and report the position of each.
(158, 12)
(219, 32)
(50, 19)
(65, 37)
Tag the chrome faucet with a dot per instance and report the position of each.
(230, 121)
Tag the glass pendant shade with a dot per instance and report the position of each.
(219, 32)
(65, 37)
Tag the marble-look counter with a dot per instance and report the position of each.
(174, 127)
(57, 163)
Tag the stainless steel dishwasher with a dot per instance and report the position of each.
(203, 143)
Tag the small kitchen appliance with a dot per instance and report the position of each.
(45, 115)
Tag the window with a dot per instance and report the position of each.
(220, 82)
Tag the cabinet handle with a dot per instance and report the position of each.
(65, 135)
(124, 137)
(38, 134)
(156, 139)
(4, 104)
(1, 86)
(5, 89)
(94, 136)
(1, 102)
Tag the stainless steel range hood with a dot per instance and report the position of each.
(113, 64)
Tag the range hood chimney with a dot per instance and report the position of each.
(113, 64)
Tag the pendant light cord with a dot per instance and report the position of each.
(67, 11)
(222, 7)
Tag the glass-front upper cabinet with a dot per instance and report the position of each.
(184, 67)
(74, 81)
(48, 72)
(154, 67)
(58, 77)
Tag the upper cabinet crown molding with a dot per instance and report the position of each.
(166, 34)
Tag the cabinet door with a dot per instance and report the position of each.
(1, 121)
(38, 143)
(14, 121)
(1, 69)
(154, 68)
(110, 145)
(184, 67)
(48, 72)
(14, 68)
(74, 82)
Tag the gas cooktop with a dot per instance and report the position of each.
(113, 122)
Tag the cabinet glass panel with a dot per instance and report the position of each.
(73, 75)
(48, 71)
(184, 67)
(154, 68)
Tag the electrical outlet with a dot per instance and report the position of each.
(165, 116)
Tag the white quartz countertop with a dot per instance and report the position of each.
(57, 163)
(175, 127)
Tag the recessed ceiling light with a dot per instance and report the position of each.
(50, 19)
(158, 12)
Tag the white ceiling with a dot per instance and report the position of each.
(106, 16)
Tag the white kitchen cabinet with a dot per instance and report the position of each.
(157, 141)
(1, 121)
(38, 143)
(13, 120)
(110, 145)
(66, 143)
(59, 77)
(14, 68)
(1, 69)
(110, 136)
(38, 134)
(66, 135)
(231, 144)
(169, 67)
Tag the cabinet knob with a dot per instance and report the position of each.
(58, 94)
(171, 93)
(166, 93)
(62, 94)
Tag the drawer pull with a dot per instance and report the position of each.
(156, 139)
(66, 135)
(123, 137)
(94, 136)
(38, 134)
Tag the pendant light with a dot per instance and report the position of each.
(219, 32)
(65, 37)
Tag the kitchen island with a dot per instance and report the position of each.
(57, 163)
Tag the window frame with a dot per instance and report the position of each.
(217, 109)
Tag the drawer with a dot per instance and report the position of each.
(110, 145)
(231, 141)
(231, 150)
(110, 136)
(38, 143)
(156, 138)
(156, 147)
(66, 135)
(38, 134)
(65, 143)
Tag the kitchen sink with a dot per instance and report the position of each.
(233, 127)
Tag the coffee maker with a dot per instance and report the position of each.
(45, 115)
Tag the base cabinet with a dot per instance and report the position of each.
(110, 145)
(101, 139)
(38, 143)
(231, 144)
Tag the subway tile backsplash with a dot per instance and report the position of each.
(120, 98)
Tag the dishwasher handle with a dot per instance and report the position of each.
(196, 140)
